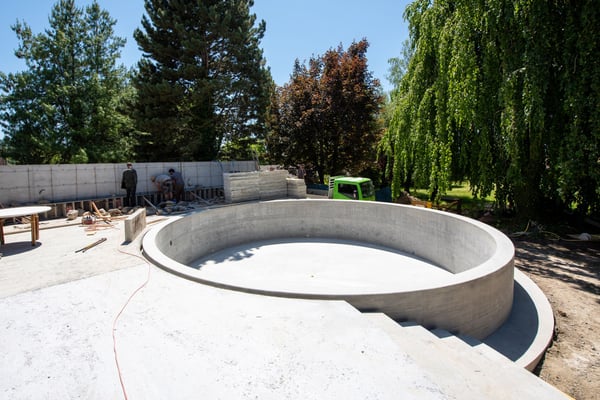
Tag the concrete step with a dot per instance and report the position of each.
(528, 331)
(461, 371)
(468, 343)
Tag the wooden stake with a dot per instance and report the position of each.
(89, 246)
(99, 214)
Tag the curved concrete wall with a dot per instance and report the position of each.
(475, 299)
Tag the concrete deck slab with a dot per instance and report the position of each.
(54, 259)
(179, 339)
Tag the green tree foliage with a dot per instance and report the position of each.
(327, 115)
(202, 81)
(397, 161)
(68, 106)
(505, 94)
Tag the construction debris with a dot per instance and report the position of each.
(170, 207)
(101, 214)
(151, 205)
(87, 218)
(72, 215)
(115, 212)
(201, 200)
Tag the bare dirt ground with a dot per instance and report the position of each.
(569, 274)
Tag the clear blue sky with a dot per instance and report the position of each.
(295, 30)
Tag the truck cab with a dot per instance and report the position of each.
(351, 188)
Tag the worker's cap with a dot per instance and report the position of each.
(171, 170)
(128, 164)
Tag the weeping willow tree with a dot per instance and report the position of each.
(504, 94)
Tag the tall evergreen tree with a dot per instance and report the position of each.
(67, 106)
(202, 81)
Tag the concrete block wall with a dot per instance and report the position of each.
(32, 184)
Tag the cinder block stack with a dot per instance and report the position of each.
(241, 186)
(272, 184)
(296, 188)
(263, 185)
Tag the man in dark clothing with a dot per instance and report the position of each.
(129, 183)
(178, 185)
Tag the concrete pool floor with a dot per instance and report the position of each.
(177, 339)
(315, 265)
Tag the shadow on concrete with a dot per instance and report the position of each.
(223, 256)
(516, 335)
(519, 331)
(14, 248)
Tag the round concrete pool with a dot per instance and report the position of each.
(435, 268)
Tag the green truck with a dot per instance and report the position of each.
(351, 188)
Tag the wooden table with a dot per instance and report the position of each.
(31, 212)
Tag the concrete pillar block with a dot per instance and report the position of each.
(135, 224)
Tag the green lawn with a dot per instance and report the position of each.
(460, 191)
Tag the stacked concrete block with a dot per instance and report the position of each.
(241, 186)
(296, 188)
(264, 185)
(272, 184)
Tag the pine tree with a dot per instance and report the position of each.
(67, 106)
(202, 81)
